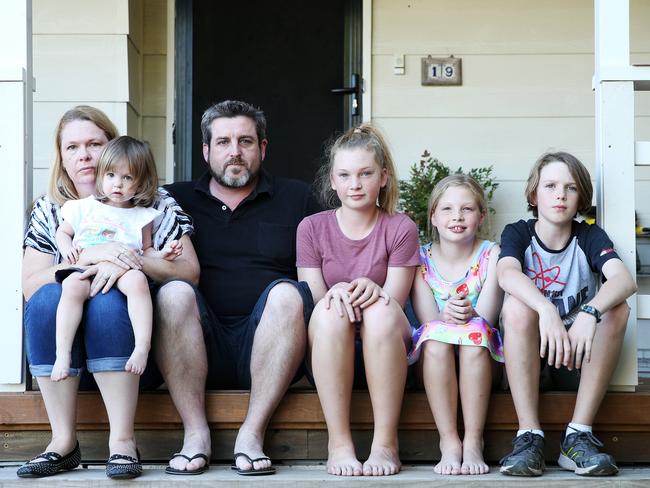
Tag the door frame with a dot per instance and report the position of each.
(355, 58)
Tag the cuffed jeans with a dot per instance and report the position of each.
(104, 340)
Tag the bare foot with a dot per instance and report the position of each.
(138, 361)
(342, 461)
(383, 461)
(194, 443)
(61, 368)
(451, 455)
(125, 447)
(473, 462)
(251, 444)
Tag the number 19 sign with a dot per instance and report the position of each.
(441, 71)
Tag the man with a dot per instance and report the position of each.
(245, 326)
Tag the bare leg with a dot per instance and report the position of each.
(475, 383)
(385, 334)
(595, 374)
(521, 349)
(439, 376)
(120, 394)
(331, 340)
(68, 316)
(278, 350)
(181, 356)
(134, 285)
(61, 404)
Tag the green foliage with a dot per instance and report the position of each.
(415, 192)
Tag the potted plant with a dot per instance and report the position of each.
(415, 192)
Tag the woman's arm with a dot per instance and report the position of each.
(38, 270)
(337, 295)
(424, 303)
(314, 278)
(488, 305)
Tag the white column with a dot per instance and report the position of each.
(15, 161)
(614, 99)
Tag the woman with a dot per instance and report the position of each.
(105, 341)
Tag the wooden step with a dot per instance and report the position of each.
(298, 431)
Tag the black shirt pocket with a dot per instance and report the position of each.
(277, 241)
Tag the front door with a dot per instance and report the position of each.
(282, 56)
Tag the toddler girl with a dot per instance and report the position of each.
(121, 211)
(457, 298)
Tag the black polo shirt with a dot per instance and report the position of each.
(244, 250)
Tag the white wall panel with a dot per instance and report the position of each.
(80, 16)
(81, 67)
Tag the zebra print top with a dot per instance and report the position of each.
(46, 217)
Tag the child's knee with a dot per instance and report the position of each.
(73, 287)
(327, 321)
(517, 316)
(436, 351)
(134, 280)
(616, 318)
(382, 320)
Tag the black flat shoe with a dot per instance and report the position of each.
(55, 463)
(123, 471)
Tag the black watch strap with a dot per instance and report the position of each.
(591, 311)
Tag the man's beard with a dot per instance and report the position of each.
(241, 180)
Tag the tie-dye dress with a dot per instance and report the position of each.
(477, 332)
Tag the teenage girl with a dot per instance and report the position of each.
(359, 259)
(120, 211)
(457, 299)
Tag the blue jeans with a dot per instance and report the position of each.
(104, 339)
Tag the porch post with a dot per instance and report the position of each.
(16, 163)
(614, 112)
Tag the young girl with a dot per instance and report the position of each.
(126, 185)
(457, 297)
(555, 310)
(359, 260)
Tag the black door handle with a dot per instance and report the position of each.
(354, 90)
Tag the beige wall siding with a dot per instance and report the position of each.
(110, 54)
(527, 71)
(81, 55)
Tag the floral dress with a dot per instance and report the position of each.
(477, 332)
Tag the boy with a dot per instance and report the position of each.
(553, 305)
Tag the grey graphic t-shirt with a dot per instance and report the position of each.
(566, 276)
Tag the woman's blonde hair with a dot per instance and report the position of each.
(139, 158)
(61, 188)
(441, 187)
(369, 138)
(578, 171)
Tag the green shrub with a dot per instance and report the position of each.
(415, 192)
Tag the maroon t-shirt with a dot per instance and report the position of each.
(393, 242)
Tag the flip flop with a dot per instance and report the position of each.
(185, 472)
(252, 471)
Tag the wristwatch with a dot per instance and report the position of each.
(591, 311)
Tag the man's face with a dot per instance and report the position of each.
(234, 153)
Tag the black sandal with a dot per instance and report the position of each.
(54, 463)
(123, 471)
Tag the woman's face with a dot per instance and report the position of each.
(357, 178)
(81, 144)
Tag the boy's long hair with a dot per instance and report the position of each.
(576, 168)
(369, 138)
(139, 158)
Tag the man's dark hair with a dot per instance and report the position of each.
(230, 109)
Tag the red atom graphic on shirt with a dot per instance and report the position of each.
(544, 277)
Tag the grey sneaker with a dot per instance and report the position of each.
(579, 453)
(527, 457)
